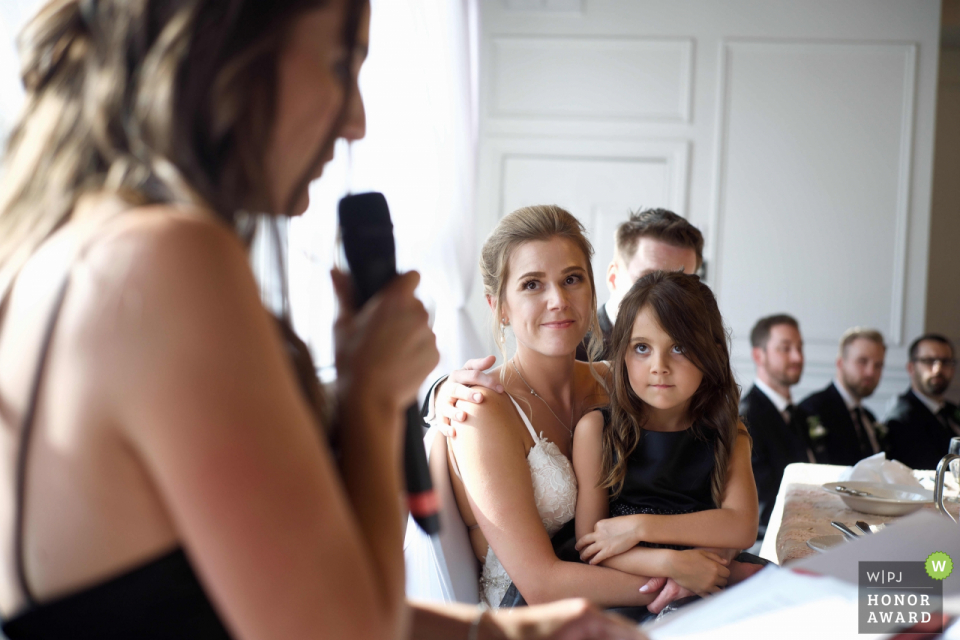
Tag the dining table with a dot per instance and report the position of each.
(803, 510)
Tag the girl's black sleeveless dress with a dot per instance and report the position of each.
(161, 599)
(669, 473)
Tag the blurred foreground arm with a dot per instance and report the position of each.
(562, 620)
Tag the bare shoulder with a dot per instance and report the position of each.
(149, 245)
(588, 437)
(494, 408)
(492, 428)
(162, 289)
(590, 426)
(743, 434)
(743, 445)
(165, 264)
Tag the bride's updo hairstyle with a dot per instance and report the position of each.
(541, 222)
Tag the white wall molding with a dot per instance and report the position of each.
(717, 225)
(851, 240)
(553, 6)
(673, 154)
(647, 79)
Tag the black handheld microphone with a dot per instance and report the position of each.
(367, 234)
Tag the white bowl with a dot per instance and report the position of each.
(884, 499)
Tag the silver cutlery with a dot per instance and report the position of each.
(863, 526)
(853, 492)
(847, 531)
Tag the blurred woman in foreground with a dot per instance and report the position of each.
(171, 473)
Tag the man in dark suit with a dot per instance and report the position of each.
(650, 240)
(922, 422)
(849, 431)
(777, 427)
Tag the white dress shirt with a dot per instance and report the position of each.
(778, 400)
(929, 402)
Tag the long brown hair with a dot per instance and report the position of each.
(687, 310)
(153, 100)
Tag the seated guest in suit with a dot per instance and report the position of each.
(851, 430)
(922, 422)
(778, 428)
(650, 240)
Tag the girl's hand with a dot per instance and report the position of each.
(702, 572)
(610, 537)
(565, 620)
(386, 349)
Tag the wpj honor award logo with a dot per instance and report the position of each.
(895, 596)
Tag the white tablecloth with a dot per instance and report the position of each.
(803, 510)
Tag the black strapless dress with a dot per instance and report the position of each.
(159, 600)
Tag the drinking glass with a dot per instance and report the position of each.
(955, 464)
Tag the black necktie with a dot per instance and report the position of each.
(791, 412)
(795, 425)
(866, 449)
(943, 416)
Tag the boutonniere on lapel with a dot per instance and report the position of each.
(815, 430)
(880, 428)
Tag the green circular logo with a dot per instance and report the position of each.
(938, 565)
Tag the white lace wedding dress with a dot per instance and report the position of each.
(555, 493)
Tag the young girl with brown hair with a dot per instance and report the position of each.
(670, 460)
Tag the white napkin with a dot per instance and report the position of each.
(877, 468)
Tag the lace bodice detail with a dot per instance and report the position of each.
(555, 494)
(554, 485)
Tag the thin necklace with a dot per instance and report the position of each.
(537, 395)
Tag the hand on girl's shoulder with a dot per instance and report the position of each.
(495, 409)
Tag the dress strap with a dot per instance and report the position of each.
(525, 419)
(24, 447)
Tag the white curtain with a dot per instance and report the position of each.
(13, 16)
(419, 89)
(419, 86)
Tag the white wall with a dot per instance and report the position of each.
(796, 134)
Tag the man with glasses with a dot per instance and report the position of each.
(922, 422)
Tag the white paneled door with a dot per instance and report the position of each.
(797, 134)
